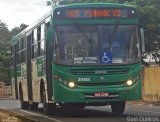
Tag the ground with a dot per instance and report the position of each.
(10, 117)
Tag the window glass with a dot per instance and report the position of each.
(17, 46)
(32, 37)
(35, 35)
(39, 33)
(20, 45)
(29, 39)
(23, 55)
(22, 40)
(42, 47)
(97, 44)
(32, 51)
(12, 50)
(35, 50)
(23, 43)
(12, 61)
(19, 58)
(39, 48)
(42, 31)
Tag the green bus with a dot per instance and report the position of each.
(78, 55)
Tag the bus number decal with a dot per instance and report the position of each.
(84, 79)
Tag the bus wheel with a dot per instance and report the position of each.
(24, 104)
(34, 106)
(118, 107)
(48, 108)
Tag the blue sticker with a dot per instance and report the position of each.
(106, 58)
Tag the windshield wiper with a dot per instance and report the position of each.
(112, 36)
(82, 32)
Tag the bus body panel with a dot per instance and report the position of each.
(107, 83)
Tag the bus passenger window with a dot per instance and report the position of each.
(35, 50)
(42, 47)
(19, 58)
(32, 51)
(23, 43)
(20, 45)
(39, 33)
(35, 36)
(24, 56)
(32, 37)
(42, 32)
(12, 53)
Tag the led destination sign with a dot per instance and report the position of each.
(95, 13)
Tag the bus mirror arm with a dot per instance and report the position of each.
(142, 40)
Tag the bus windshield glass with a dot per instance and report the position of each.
(96, 44)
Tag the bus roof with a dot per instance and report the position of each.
(95, 5)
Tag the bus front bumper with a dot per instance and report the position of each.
(97, 94)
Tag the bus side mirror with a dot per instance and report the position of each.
(142, 40)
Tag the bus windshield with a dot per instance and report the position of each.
(96, 44)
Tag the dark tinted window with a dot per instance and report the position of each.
(39, 33)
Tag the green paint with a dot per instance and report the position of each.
(18, 70)
(66, 94)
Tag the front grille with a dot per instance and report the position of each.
(102, 71)
(100, 84)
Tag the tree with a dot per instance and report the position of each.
(16, 30)
(149, 17)
(5, 36)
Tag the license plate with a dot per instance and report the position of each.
(101, 94)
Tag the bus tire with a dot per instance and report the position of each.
(72, 106)
(41, 90)
(48, 108)
(34, 106)
(118, 107)
(24, 104)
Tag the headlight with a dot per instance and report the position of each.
(71, 84)
(129, 82)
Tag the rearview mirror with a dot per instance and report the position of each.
(142, 40)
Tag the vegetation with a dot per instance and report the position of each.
(5, 37)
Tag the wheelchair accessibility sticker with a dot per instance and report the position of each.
(106, 58)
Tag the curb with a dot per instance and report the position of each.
(144, 102)
(20, 116)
